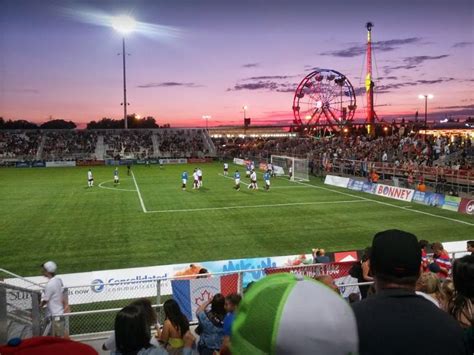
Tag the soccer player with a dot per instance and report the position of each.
(226, 169)
(266, 178)
(184, 179)
(247, 172)
(253, 181)
(116, 176)
(237, 180)
(199, 174)
(195, 180)
(270, 169)
(90, 178)
(128, 168)
(290, 172)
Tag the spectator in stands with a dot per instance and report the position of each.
(428, 286)
(394, 321)
(55, 300)
(461, 306)
(175, 327)
(441, 258)
(365, 275)
(321, 257)
(132, 334)
(150, 316)
(232, 302)
(470, 247)
(211, 325)
(290, 314)
(424, 258)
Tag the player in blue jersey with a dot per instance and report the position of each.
(237, 180)
(116, 176)
(266, 178)
(184, 179)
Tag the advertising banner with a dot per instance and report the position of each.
(38, 164)
(338, 271)
(336, 181)
(22, 164)
(173, 161)
(467, 206)
(90, 162)
(369, 188)
(60, 164)
(451, 203)
(199, 160)
(397, 193)
(355, 185)
(428, 198)
(109, 285)
(239, 161)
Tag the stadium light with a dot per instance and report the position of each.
(426, 97)
(124, 25)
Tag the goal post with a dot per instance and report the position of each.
(282, 164)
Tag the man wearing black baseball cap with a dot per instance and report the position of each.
(396, 320)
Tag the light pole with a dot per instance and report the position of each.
(124, 24)
(206, 117)
(426, 97)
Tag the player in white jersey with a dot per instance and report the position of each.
(90, 178)
(195, 180)
(253, 181)
(290, 172)
(199, 174)
(226, 169)
(116, 176)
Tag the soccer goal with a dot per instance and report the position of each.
(282, 164)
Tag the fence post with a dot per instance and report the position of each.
(240, 286)
(3, 315)
(35, 314)
(158, 297)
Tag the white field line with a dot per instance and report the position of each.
(113, 188)
(230, 177)
(256, 206)
(388, 204)
(139, 194)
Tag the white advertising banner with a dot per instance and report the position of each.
(60, 164)
(336, 181)
(397, 193)
(239, 161)
(173, 161)
(108, 285)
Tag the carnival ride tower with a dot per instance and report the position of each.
(369, 84)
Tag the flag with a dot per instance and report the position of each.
(190, 294)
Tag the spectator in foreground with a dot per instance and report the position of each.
(428, 286)
(291, 314)
(232, 301)
(442, 259)
(461, 306)
(146, 308)
(395, 320)
(175, 327)
(132, 334)
(365, 273)
(321, 257)
(329, 282)
(211, 325)
(424, 257)
(470, 247)
(55, 301)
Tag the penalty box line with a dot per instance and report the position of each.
(405, 208)
(139, 193)
(256, 206)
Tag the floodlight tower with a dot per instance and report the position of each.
(124, 25)
(369, 84)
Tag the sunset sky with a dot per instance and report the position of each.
(196, 57)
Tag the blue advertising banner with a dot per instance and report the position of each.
(38, 164)
(355, 185)
(428, 198)
(22, 164)
(369, 187)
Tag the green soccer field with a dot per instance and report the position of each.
(51, 214)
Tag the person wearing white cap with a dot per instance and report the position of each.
(55, 301)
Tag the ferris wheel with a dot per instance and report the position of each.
(325, 97)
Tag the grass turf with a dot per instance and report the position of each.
(51, 214)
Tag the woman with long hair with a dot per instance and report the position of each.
(132, 334)
(461, 305)
(365, 274)
(175, 327)
(211, 324)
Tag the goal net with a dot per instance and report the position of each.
(283, 165)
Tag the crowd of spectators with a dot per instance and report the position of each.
(65, 145)
(22, 145)
(182, 143)
(131, 143)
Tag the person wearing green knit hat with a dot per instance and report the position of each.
(291, 314)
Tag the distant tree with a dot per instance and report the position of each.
(105, 123)
(58, 124)
(146, 122)
(18, 124)
(132, 120)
